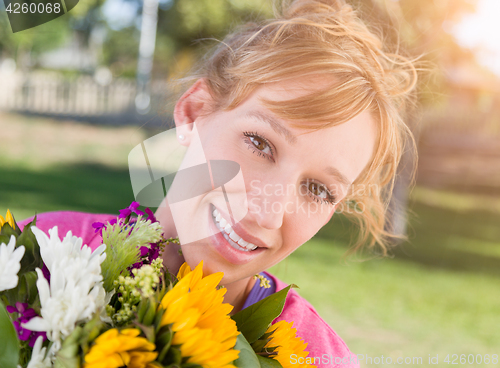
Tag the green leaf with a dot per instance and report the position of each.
(174, 357)
(32, 258)
(4, 239)
(142, 308)
(163, 342)
(247, 357)
(25, 291)
(17, 229)
(259, 344)
(67, 356)
(9, 343)
(91, 330)
(30, 280)
(253, 321)
(148, 331)
(150, 314)
(8, 231)
(268, 362)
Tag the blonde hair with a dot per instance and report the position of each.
(311, 38)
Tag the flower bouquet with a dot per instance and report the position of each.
(66, 306)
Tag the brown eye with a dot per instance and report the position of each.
(261, 144)
(258, 143)
(317, 190)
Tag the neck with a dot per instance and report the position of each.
(236, 292)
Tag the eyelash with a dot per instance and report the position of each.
(330, 198)
(254, 149)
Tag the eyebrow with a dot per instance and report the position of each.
(341, 178)
(274, 123)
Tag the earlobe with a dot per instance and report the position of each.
(184, 133)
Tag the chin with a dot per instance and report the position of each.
(212, 263)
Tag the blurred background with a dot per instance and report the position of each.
(76, 95)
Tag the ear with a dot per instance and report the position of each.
(192, 105)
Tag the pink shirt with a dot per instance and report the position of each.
(324, 345)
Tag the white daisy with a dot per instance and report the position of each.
(75, 291)
(38, 358)
(53, 250)
(10, 264)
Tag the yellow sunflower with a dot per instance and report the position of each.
(183, 271)
(202, 328)
(9, 219)
(114, 349)
(286, 342)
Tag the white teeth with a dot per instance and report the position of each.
(230, 234)
(234, 236)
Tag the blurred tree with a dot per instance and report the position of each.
(418, 24)
(180, 24)
(24, 46)
(419, 28)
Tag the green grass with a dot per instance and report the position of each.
(394, 308)
(440, 237)
(77, 187)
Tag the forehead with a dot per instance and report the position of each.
(295, 87)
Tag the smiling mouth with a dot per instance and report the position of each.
(234, 240)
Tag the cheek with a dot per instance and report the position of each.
(301, 228)
(330, 215)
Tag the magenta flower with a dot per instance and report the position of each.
(151, 215)
(25, 314)
(46, 272)
(98, 226)
(126, 212)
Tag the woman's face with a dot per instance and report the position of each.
(293, 179)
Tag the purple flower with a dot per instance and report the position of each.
(151, 215)
(154, 253)
(25, 314)
(144, 251)
(148, 255)
(98, 226)
(46, 273)
(35, 336)
(126, 212)
(135, 265)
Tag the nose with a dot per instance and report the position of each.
(267, 203)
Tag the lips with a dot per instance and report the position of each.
(232, 242)
(234, 239)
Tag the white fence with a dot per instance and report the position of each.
(52, 94)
